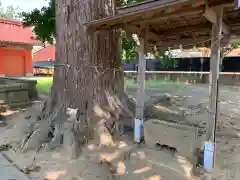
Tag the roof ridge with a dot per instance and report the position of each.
(11, 21)
(53, 45)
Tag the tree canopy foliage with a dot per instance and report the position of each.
(11, 12)
(43, 23)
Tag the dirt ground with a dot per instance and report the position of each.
(128, 160)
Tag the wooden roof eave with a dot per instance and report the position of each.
(147, 4)
(131, 20)
(133, 29)
(38, 43)
(123, 18)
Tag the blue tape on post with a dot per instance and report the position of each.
(208, 156)
(138, 130)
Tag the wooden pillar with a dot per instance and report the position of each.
(139, 116)
(214, 74)
(214, 78)
(236, 4)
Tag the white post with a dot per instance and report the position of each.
(236, 4)
(209, 154)
(139, 116)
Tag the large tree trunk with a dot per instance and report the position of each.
(88, 76)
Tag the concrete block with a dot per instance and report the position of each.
(3, 98)
(9, 171)
(182, 137)
(18, 98)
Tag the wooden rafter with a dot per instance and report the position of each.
(182, 12)
(191, 28)
(172, 32)
(223, 3)
(136, 30)
(210, 15)
(237, 4)
(186, 41)
(133, 15)
(147, 5)
(187, 29)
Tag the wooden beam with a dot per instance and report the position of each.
(188, 29)
(133, 15)
(211, 16)
(176, 14)
(147, 5)
(214, 74)
(236, 4)
(186, 41)
(136, 30)
(199, 41)
(214, 79)
(132, 29)
(222, 3)
(139, 117)
(198, 3)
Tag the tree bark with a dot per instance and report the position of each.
(88, 76)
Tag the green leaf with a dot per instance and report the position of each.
(43, 22)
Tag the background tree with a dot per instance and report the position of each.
(11, 12)
(43, 23)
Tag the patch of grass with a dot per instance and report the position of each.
(152, 84)
(44, 84)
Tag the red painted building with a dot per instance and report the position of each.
(43, 60)
(16, 43)
(47, 53)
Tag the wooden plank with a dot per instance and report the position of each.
(214, 79)
(145, 5)
(141, 78)
(186, 42)
(214, 74)
(222, 3)
(140, 99)
(188, 29)
(156, 37)
(128, 17)
(237, 4)
(176, 14)
(210, 15)
(200, 41)
(136, 30)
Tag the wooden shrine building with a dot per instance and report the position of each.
(173, 23)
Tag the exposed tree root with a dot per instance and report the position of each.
(70, 129)
(160, 108)
(56, 126)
